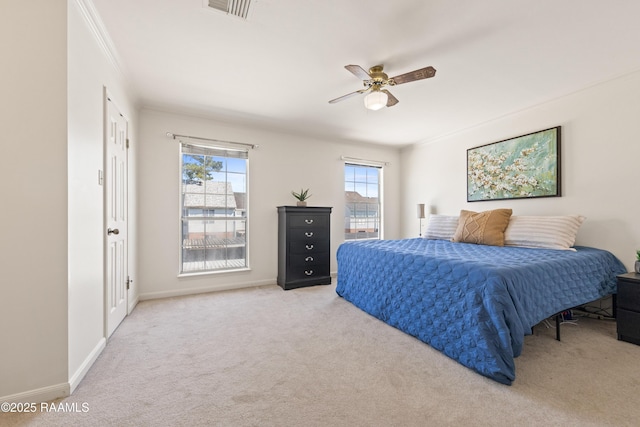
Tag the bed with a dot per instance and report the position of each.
(475, 303)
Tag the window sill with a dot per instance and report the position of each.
(215, 272)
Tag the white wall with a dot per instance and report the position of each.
(282, 163)
(90, 71)
(52, 300)
(600, 152)
(33, 185)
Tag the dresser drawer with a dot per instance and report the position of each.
(311, 246)
(628, 325)
(628, 295)
(306, 261)
(309, 272)
(308, 220)
(307, 234)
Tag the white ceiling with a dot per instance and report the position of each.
(279, 68)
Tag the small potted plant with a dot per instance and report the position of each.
(638, 261)
(302, 196)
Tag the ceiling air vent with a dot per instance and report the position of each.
(239, 8)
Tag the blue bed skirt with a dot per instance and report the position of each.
(474, 303)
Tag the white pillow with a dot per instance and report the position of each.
(441, 227)
(549, 232)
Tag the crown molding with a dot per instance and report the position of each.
(93, 20)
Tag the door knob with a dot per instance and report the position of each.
(111, 231)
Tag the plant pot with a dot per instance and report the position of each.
(303, 204)
(638, 266)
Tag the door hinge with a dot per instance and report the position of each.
(128, 282)
(127, 143)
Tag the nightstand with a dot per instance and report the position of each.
(628, 313)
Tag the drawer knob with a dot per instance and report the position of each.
(308, 272)
(309, 247)
(308, 221)
(309, 233)
(309, 259)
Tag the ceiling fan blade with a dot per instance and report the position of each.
(391, 100)
(358, 71)
(422, 73)
(349, 95)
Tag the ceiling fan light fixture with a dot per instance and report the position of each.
(375, 100)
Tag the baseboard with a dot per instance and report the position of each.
(46, 394)
(204, 290)
(38, 395)
(75, 379)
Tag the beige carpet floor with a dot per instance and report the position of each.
(306, 357)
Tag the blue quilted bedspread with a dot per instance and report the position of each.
(474, 303)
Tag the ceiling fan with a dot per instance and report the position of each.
(375, 80)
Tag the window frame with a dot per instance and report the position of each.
(380, 205)
(211, 148)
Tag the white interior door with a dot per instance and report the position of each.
(116, 207)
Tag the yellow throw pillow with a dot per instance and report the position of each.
(482, 228)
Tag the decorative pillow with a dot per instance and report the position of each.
(482, 228)
(549, 232)
(441, 227)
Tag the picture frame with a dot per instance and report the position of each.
(523, 167)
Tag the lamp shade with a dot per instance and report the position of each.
(421, 210)
(375, 100)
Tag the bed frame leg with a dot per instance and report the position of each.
(558, 326)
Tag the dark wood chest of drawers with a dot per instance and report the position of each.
(628, 312)
(304, 246)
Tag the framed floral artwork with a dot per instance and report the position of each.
(523, 167)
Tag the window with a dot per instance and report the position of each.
(214, 214)
(362, 201)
